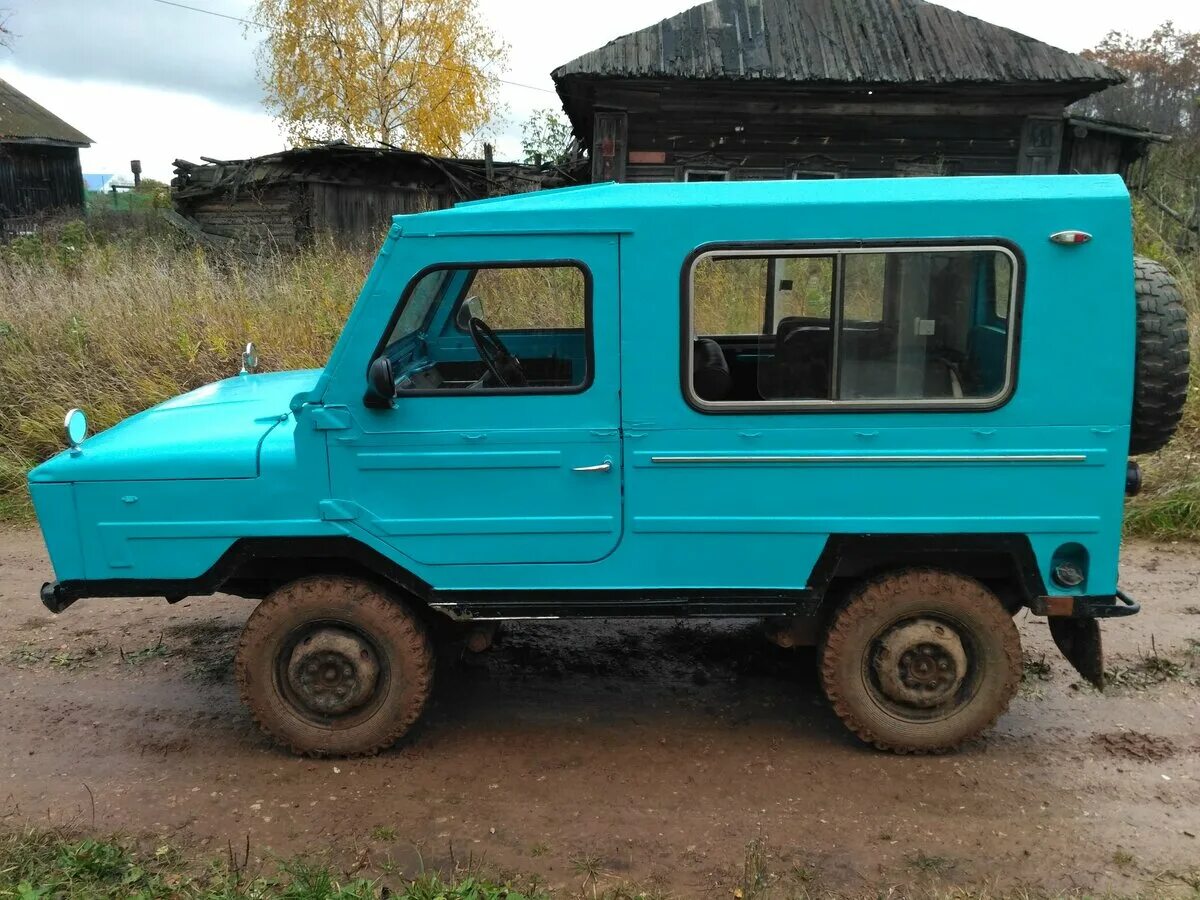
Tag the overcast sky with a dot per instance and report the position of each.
(148, 80)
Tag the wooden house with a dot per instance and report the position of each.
(39, 161)
(288, 198)
(836, 88)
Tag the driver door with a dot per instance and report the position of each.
(465, 469)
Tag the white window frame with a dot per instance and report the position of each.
(995, 401)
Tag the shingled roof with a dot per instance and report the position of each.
(869, 42)
(23, 120)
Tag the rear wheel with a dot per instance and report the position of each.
(1162, 359)
(334, 666)
(920, 661)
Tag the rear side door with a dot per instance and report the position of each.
(460, 472)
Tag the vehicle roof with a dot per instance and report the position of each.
(620, 208)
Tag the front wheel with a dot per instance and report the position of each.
(334, 666)
(920, 661)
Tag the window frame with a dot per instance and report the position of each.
(689, 171)
(840, 249)
(555, 263)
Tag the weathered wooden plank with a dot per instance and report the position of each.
(845, 41)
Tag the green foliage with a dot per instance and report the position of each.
(149, 195)
(546, 138)
(37, 864)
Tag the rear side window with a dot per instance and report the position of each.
(888, 327)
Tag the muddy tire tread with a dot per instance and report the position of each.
(1163, 358)
(416, 649)
(871, 599)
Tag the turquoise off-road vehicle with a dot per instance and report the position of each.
(885, 416)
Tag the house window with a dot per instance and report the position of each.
(887, 327)
(705, 175)
(930, 167)
(817, 168)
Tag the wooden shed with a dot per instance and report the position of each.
(836, 88)
(39, 161)
(349, 192)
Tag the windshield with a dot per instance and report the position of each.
(415, 315)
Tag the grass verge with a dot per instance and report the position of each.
(46, 864)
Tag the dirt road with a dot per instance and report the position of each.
(653, 754)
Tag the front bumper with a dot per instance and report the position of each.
(56, 596)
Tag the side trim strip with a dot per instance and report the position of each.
(786, 460)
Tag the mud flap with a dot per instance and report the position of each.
(1080, 642)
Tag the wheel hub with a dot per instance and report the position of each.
(333, 671)
(920, 663)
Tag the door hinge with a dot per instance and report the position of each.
(331, 418)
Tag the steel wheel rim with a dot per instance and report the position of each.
(299, 705)
(950, 702)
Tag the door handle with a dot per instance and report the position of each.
(605, 466)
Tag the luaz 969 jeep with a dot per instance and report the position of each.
(883, 415)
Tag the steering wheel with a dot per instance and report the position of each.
(504, 367)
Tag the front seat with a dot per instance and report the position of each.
(711, 379)
(803, 362)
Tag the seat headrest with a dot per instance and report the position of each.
(711, 379)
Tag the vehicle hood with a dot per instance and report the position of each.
(212, 432)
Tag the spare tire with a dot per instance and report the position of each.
(1162, 359)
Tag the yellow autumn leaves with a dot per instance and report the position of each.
(417, 74)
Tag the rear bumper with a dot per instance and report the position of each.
(1075, 627)
(1102, 606)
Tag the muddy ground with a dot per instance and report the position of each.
(652, 754)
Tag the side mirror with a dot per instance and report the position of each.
(472, 308)
(381, 384)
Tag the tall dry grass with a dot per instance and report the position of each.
(117, 318)
(117, 324)
(1169, 507)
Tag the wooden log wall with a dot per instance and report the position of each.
(36, 179)
(823, 146)
(272, 216)
(362, 213)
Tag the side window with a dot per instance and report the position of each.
(531, 298)
(502, 328)
(851, 326)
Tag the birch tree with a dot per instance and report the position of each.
(412, 73)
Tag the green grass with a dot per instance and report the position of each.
(48, 864)
(57, 864)
(146, 654)
(1156, 669)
